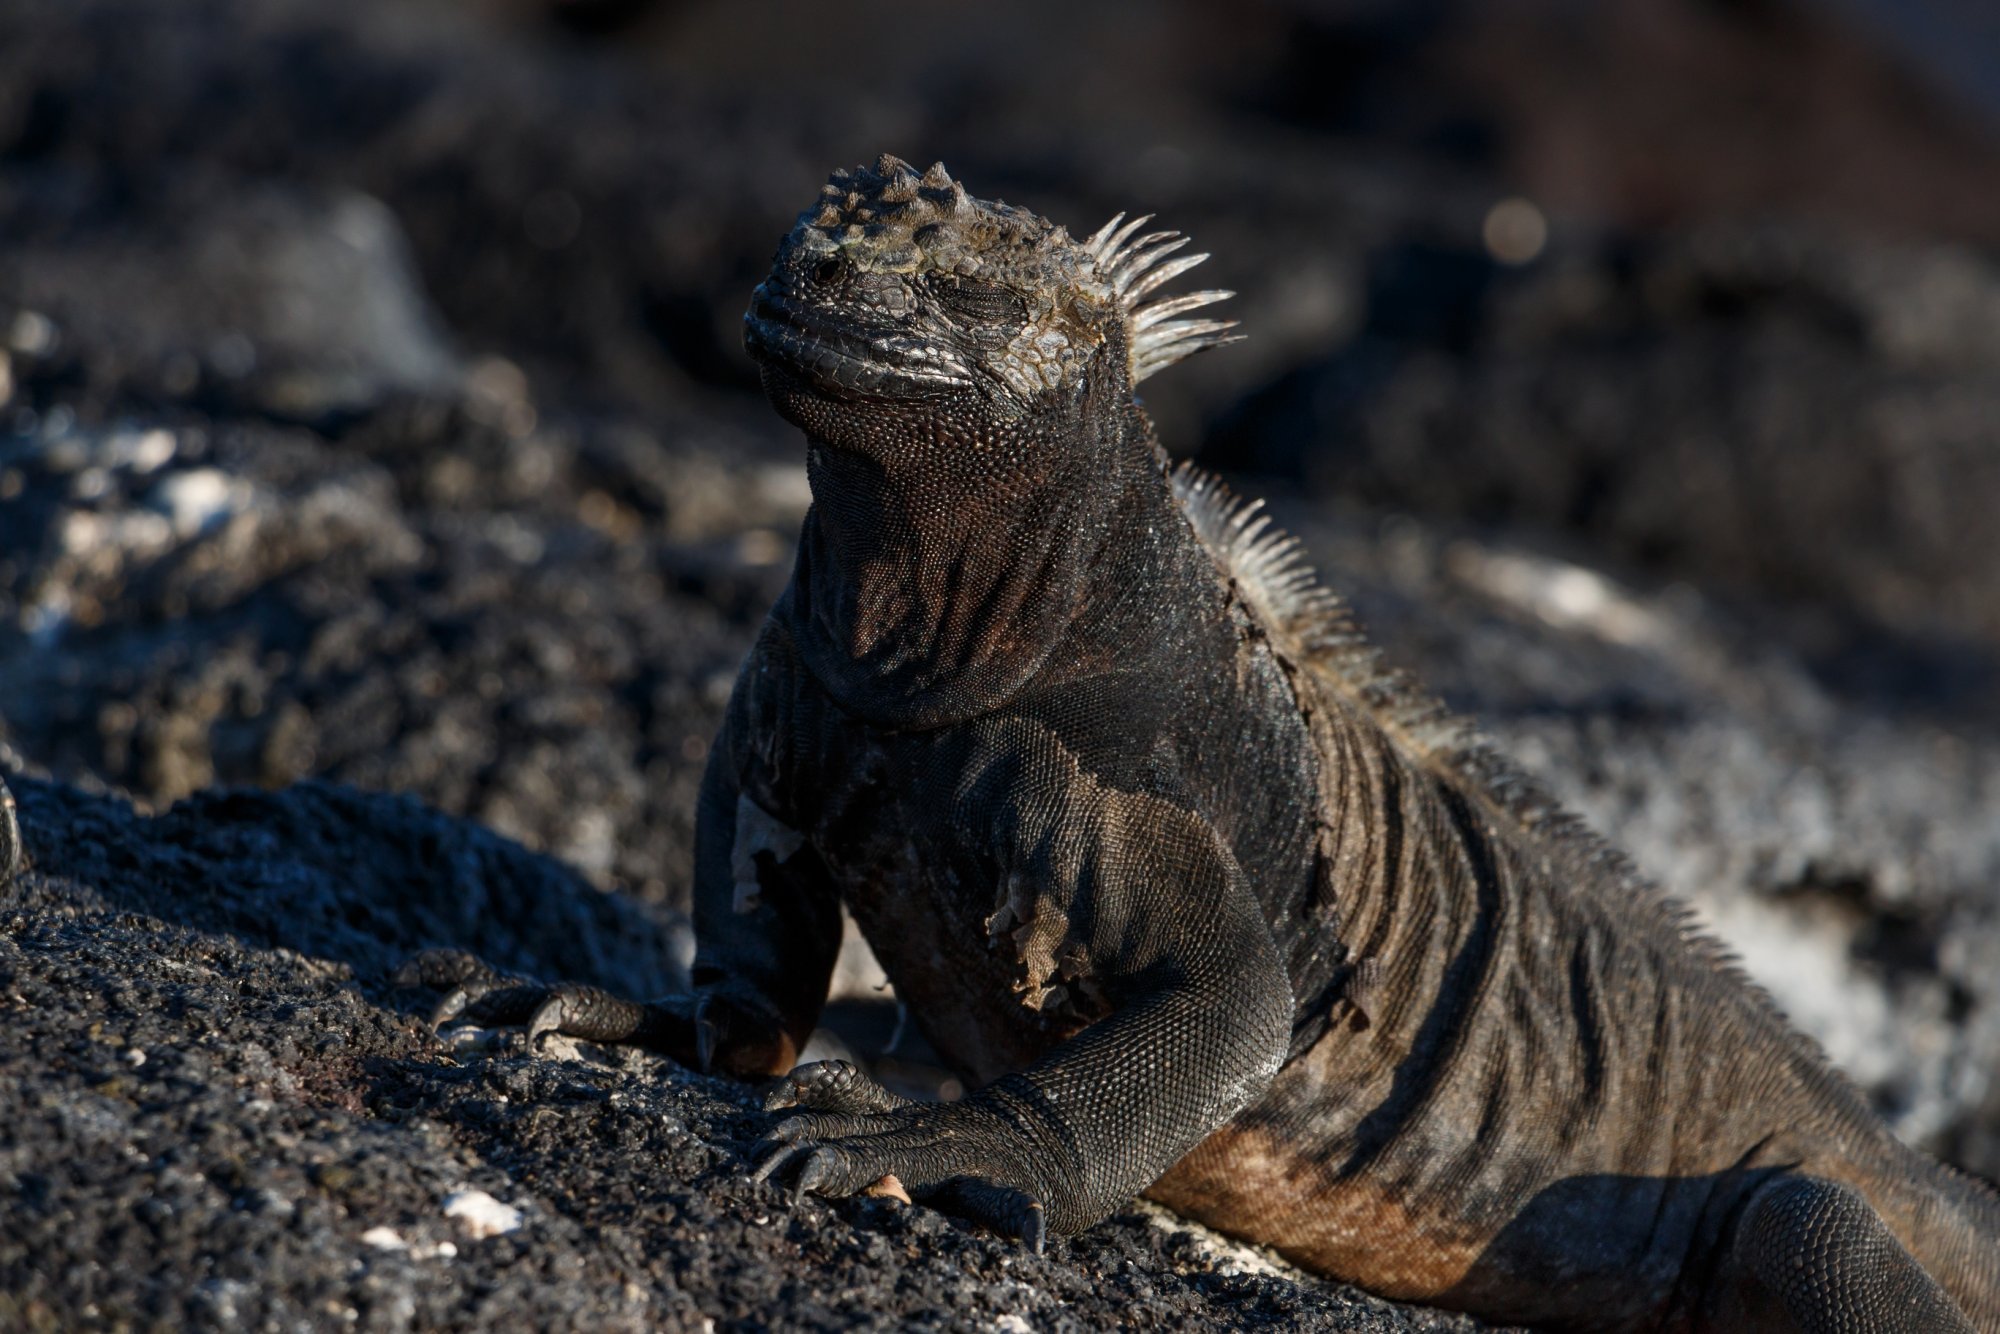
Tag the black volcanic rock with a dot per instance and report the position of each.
(385, 506)
(219, 1114)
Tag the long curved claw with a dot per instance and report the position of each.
(821, 1167)
(451, 1005)
(706, 1037)
(889, 1187)
(776, 1159)
(1035, 1233)
(1008, 1211)
(547, 1019)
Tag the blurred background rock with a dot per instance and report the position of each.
(372, 406)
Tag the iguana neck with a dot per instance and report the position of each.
(935, 592)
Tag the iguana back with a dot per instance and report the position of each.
(1583, 1084)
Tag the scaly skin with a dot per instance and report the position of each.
(1202, 902)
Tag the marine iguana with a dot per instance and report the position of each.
(1203, 901)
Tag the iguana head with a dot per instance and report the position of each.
(963, 372)
(899, 297)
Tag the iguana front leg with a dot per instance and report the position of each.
(767, 923)
(1201, 1013)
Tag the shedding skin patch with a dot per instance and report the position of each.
(1037, 927)
(757, 830)
(1038, 913)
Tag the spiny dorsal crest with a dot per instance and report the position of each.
(1135, 265)
(1312, 625)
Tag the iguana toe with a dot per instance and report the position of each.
(822, 1168)
(707, 1037)
(470, 986)
(704, 1031)
(449, 1007)
(776, 1156)
(816, 1126)
(1008, 1211)
(439, 969)
(832, 1086)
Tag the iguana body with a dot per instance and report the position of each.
(1203, 903)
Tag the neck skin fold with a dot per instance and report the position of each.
(933, 588)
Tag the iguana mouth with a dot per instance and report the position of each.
(843, 361)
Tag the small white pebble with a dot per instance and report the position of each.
(481, 1214)
(445, 1250)
(1013, 1324)
(384, 1239)
(134, 1057)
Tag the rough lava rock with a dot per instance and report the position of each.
(220, 1115)
(371, 421)
(533, 623)
(1776, 408)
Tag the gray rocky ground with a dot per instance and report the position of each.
(384, 508)
(221, 1114)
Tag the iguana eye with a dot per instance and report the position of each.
(988, 303)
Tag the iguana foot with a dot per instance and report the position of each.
(703, 1030)
(463, 979)
(855, 1134)
(476, 990)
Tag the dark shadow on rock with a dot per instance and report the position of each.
(348, 876)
